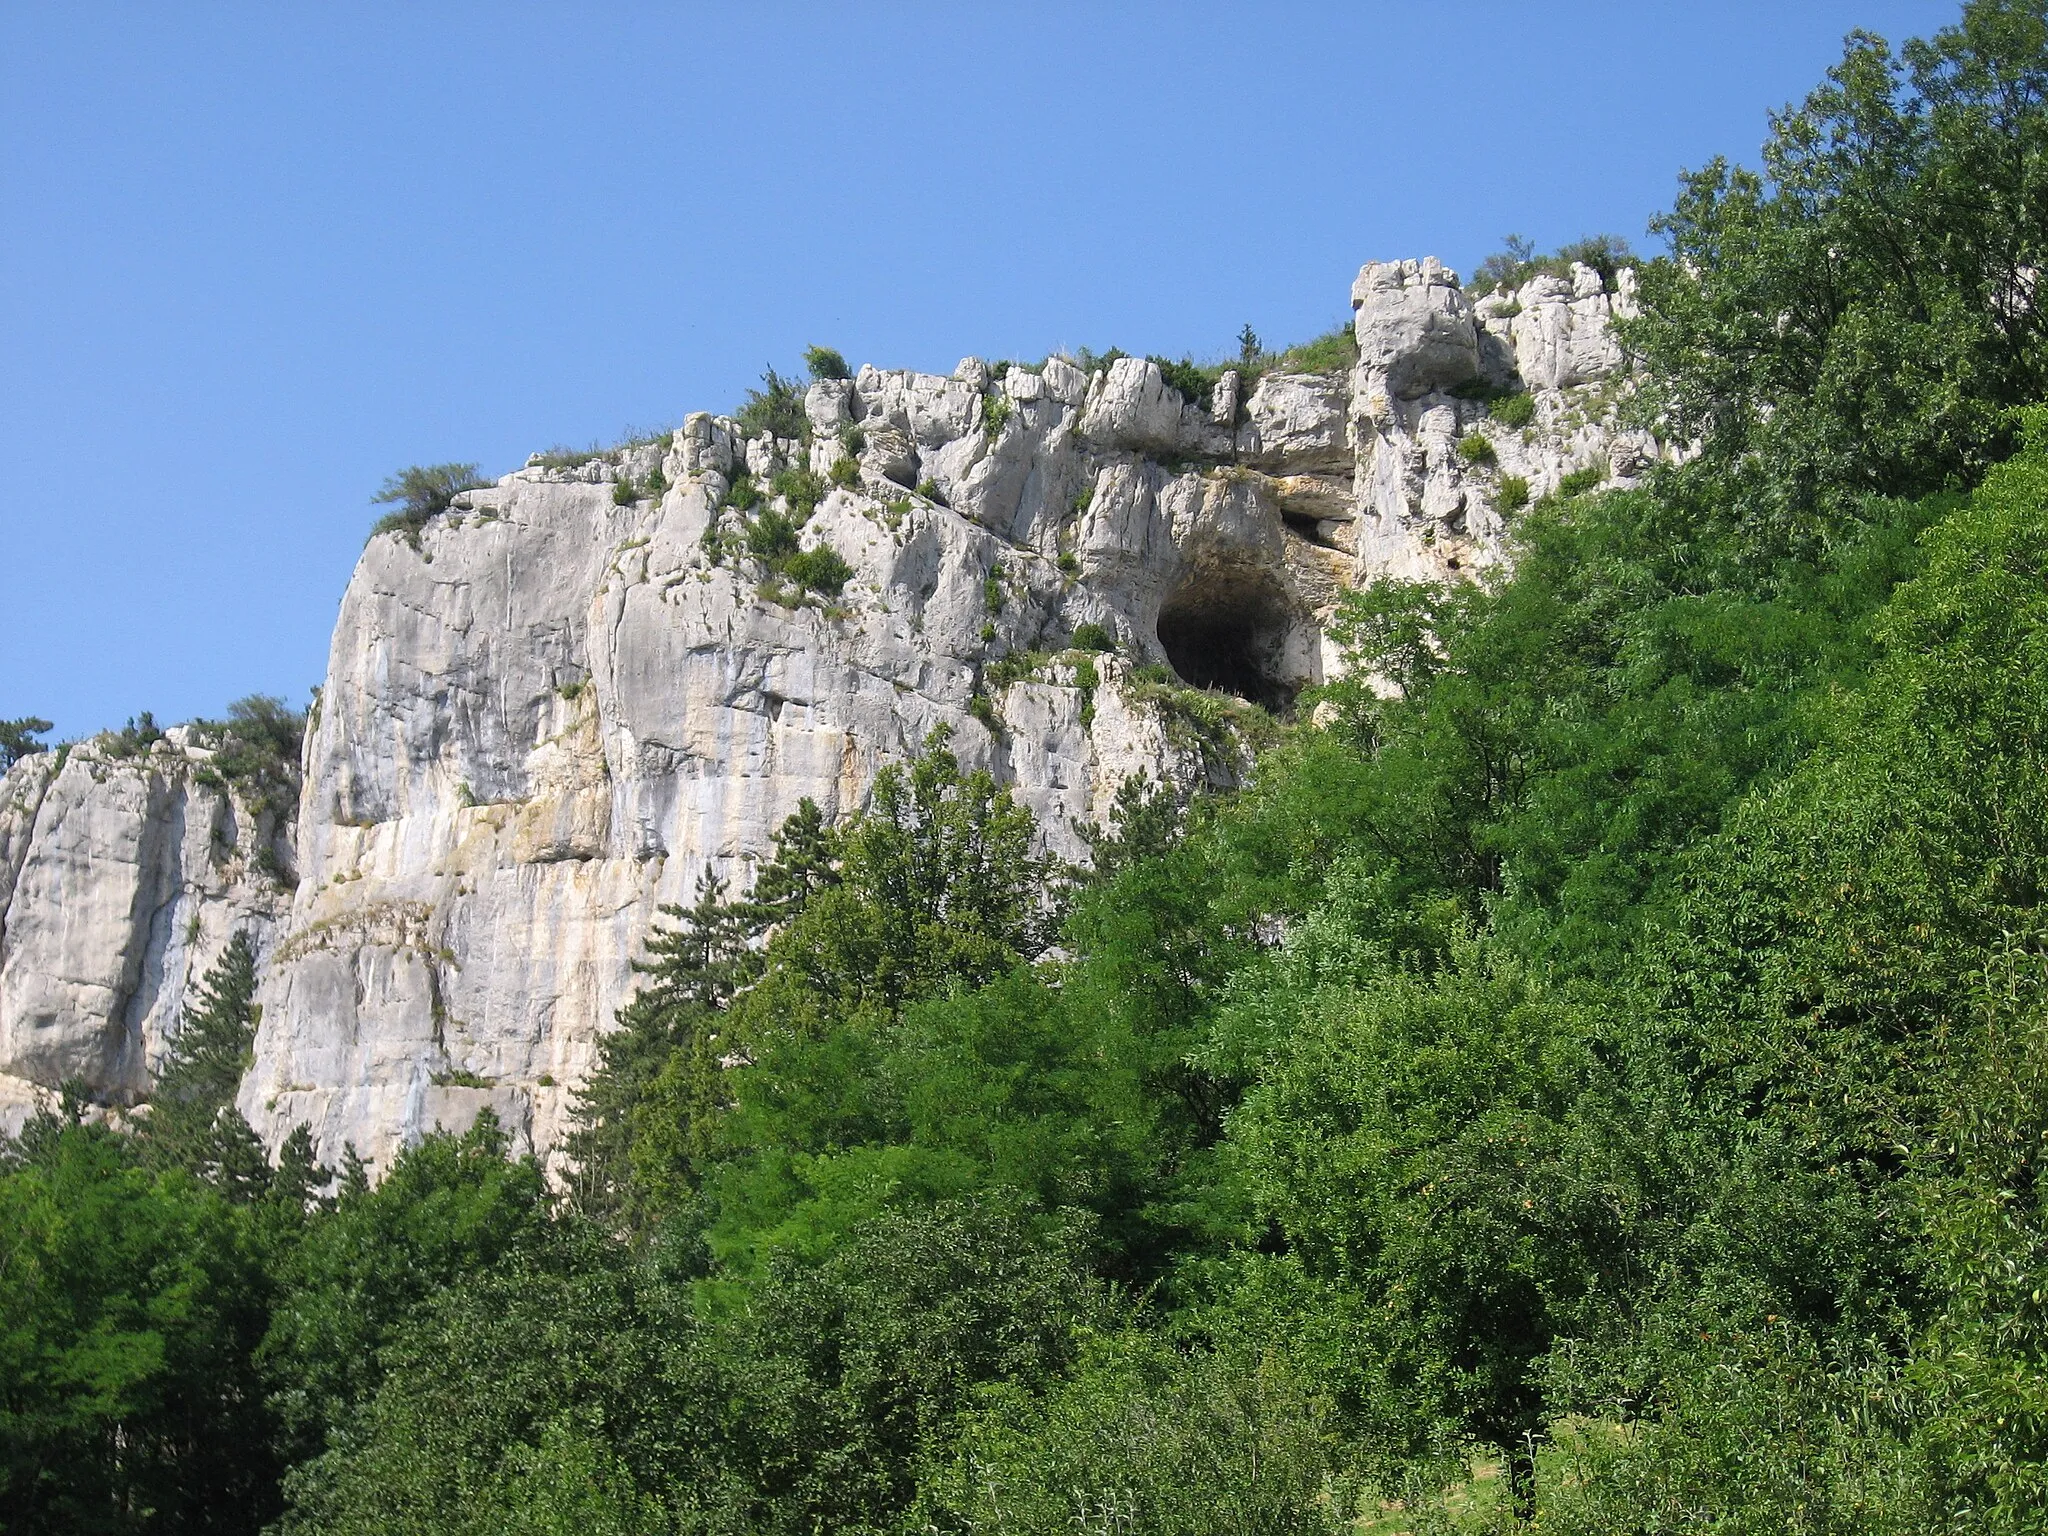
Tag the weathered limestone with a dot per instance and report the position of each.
(121, 880)
(556, 712)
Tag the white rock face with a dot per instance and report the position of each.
(556, 712)
(1430, 507)
(121, 881)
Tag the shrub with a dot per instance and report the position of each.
(771, 537)
(625, 493)
(1069, 564)
(1515, 410)
(1513, 495)
(846, 473)
(1196, 383)
(1017, 667)
(1475, 448)
(826, 363)
(995, 410)
(776, 408)
(984, 710)
(854, 440)
(928, 488)
(1580, 481)
(1093, 637)
(992, 591)
(1510, 268)
(134, 738)
(420, 492)
(743, 495)
(818, 570)
(802, 489)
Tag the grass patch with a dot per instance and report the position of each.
(1513, 410)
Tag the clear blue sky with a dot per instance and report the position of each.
(254, 258)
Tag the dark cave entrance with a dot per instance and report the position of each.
(1226, 629)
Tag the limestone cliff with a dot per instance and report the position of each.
(575, 691)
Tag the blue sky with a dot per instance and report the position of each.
(254, 258)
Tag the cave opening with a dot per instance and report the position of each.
(1227, 629)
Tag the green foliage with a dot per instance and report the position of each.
(992, 591)
(1335, 351)
(133, 739)
(1476, 448)
(1580, 481)
(1515, 410)
(772, 538)
(131, 1305)
(1248, 347)
(1853, 318)
(18, 739)
(257, 749)
(845, 472)
(1147, 1438)
(777, 407)
(1090, 636)
(801, 488)
(995, 410)
(448, 1206)
(420, 493)
(1512, 266)
(192, 1122)
(742, 495)
(825, 363)
(1196, 382)
(928, 488)
(819, 570)
(1512, 496)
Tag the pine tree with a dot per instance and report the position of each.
(192, 1121)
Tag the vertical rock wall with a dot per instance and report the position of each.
(575, 693)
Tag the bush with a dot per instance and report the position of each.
(420, 492)
(1093, 637)
(743, 495)
(802, 489)
(1195, 382)
(818, 570)
(1515, 410)
(995, 410)
(1145, 1438)
(992, 591)
(928, 488)
(1474, 448)
(1069, 563)
(776, 408)
(1579, 481)
(771, 537)
(846, 473)
(1513, 495)
(826, 363)
(1508, 269)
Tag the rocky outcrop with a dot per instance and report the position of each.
(1441, 463)
(577, 691)
(122, 877)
